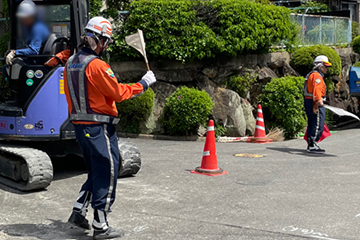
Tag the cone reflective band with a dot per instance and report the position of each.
(260, 134)
(209, 164)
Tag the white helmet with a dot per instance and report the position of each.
(27, 8)
(100, 26)
(323, 60)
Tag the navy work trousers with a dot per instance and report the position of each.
(316, 122)
(99, 145)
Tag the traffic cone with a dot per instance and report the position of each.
(260, 134)
(209, 164)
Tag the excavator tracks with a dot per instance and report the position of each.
(24, 168)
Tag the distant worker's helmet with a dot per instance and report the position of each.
(100, 26)
(27, 8)
(323, 60)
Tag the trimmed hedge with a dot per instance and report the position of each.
(134, 111)
(357, 64)
(187, 30)
(283, 103)
(303, 58)
(185, 110)
(355, 44)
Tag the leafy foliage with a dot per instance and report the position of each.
(302, 60)
(185, 110)
(187, 30)
(355, 44)
(355, 29)
(136, 110)
(312, 7)
(241, 84)
(357, 64)
(95, 6)
(282, 99)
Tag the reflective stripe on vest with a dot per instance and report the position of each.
(81, 111)
(306, 92)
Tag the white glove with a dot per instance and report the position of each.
(149, 78)
(10, 57)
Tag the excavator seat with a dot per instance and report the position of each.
(28, 72)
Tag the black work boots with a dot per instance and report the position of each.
(313, 147)
(102, 230)
(79, 220)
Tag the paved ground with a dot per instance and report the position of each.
(288, 194)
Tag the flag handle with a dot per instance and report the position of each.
(147, 65)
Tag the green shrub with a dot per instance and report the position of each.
(185, 110)
(283, 102)
(186, 30)
(357, 64)
(136, 110)
(355, 29)
(95, 6)
(355, 44)
(313, 7)
(303, 58)
(240, 84)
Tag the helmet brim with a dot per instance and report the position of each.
(24, 15)
(327, 64)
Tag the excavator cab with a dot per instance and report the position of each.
(37, 105)
(34, 120)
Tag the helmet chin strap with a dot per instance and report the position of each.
(317, 66)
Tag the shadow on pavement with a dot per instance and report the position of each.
(55, 230)
(67, 167)
(301, 152)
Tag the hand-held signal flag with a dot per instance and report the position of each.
(137, 41)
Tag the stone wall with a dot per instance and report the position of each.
(230, 110)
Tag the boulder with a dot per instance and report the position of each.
(225, 73)
(289, 71)
(228, 111)
(176, 76)
(204, 83)
(265, 74)
(249, 117)
(210, 72)
(354, 57)
(345, 63)
(162, 91)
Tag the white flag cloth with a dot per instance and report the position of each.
(341, 112)
(137, 41)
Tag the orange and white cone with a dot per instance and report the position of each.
(209, 165)
(260, 134)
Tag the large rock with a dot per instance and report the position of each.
(249, 117)
(228, 111)
(345, 63)
(354, 57)
(162, 91)
(266, 74)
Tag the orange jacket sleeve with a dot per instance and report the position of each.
(101, 76)
(63, 56)
(316, 86)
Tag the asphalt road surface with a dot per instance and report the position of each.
(287, 194)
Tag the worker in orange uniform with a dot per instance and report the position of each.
(91, 90)
(314, 94)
